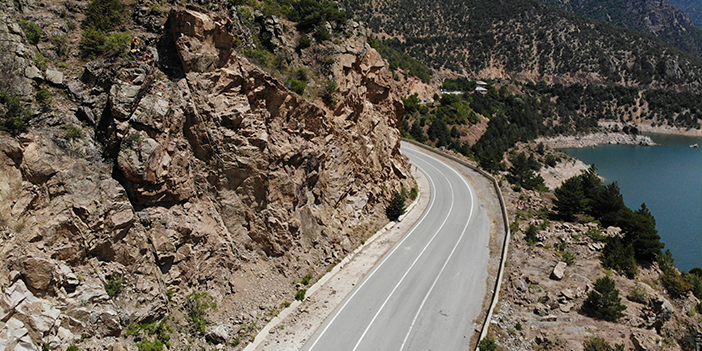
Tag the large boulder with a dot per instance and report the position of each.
(558, 271)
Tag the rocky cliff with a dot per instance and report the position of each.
(207, 176)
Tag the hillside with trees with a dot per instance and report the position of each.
(658, 18)
(526, 40)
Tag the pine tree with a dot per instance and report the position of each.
(570, 198)
(604, 302)
(396, 208)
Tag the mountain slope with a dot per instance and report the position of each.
(527, 40)
(656, 17)
(692, 8)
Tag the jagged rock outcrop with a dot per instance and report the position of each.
(219, 180)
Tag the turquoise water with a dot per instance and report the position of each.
(668, 178)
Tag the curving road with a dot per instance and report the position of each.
(427, 291)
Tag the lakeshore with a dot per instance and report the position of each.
(668, 178)
(594, 139)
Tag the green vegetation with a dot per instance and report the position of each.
(468, 36)
(671, 278)
(101, 18)
(73, 132)
(196, 306)
(398, 59)
(312, 13)
(522, 172)
(641, 242)
(638, 294)
(570, 198)
(32, 31)
(530, 234)
(681, 34)
(413, 193)
(329, 92)
(488, 344)
(604, 302)
(300, 295)
(396, 208)
(160, 332)
(72, 348)
(596, 343)
(16, 114)
(307, 279)
(104, 15)
(44, 97)
(297, 81)
(113, 285)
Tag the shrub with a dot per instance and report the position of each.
(604, 302)
(59, 42)
(530, 234)
(568, 257)
(113, 285)
(160, 332)
(72, 348)
(671, 277)
(306, 279)
(300, 295)
(487, 344)
(131, 140)
(599, 344)
(329, 91)
(32, 31)
(304, 42)
(116, 44)
(638, 294)
(413, 193)
(73, 133)
(619, 256)
(321, 32)
(44, 97)
(17, 115)
(297, 86)
(41, 61)
(596, 235)
(396, 208)
(104, 15)
(196, 306)
(92, 42)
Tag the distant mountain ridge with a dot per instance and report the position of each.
(692, 8)
(526, 40)
(657, 17)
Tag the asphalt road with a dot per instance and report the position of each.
(427, 291)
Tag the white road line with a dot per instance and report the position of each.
(408, 269)
(426, 212)
(414, 320)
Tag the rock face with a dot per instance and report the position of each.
(215, 179)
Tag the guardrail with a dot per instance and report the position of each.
(505, 245)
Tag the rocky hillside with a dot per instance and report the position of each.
(526, 40)
(693, 10)
(551, 275)
(658, 18)
(177, 198)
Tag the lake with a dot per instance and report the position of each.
(668, 178)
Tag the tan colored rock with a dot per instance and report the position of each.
(558, 271)
(38, 273)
